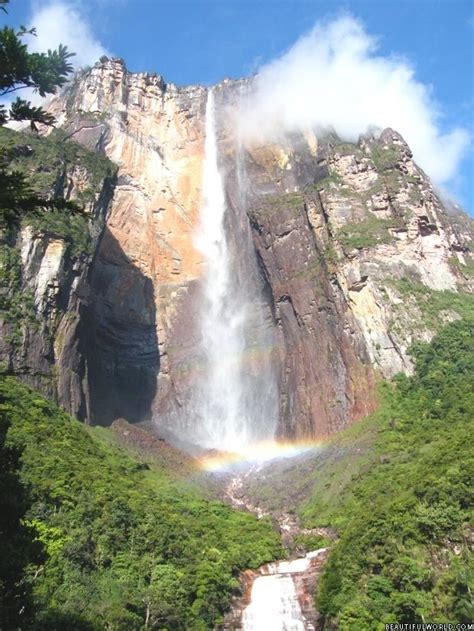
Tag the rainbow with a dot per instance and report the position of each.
(253, 358)
(257, 453)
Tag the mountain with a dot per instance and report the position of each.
(317, 271)
(353, 254)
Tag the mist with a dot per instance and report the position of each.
(333, 77)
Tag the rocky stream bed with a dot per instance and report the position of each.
(278, 596)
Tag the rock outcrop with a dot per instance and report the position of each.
(45, 266)
(351, 245)
(359, 256)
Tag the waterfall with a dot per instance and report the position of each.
(274, 602)
(235, 400)
(274, 606)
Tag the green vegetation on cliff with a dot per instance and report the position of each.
(44, 160)
(16, 305)
(46, 168)
(367, 233)
(436, 308)
(403, 511)
(124, 545)
(43, 73)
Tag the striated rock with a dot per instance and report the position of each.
(375, 220)
(324, 383)
(154, 132)
(119, 333)
(341, 239)
(46, 265)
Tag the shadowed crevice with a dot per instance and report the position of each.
(119, 338)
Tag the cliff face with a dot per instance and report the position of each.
(356, 248)
(355, 255)
(154, 133)
(45, 267)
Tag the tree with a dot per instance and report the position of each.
(19, 69)
(19, 543)
(44, 73)
(164, 598)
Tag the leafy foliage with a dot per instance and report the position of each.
(466, 268)
(19, 547)
(16, 305)
(39, 170)
(19, 69)
(126, 546)
(406, 557)
(385, 156)
(433, 303)
(45, 160)
(17, 197)
(43, 72)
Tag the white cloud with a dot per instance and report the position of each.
(59, 22)
(333, 77)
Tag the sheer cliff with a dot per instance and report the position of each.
(354, 252)
(45, 265)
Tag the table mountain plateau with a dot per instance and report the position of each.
(352, 253)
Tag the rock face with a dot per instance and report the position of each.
(349, 242)
(337, 227)
(347, 236)
(45, 268)
(154, 133)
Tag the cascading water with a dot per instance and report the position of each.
(235, 400)
(274, 606)
(231, 402)
(274, 600)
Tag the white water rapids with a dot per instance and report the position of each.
(274, 604)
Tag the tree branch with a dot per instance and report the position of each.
(20, 87)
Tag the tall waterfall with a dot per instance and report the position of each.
(235, 402)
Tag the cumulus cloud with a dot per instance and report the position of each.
(62, 23)
(333, 77)
(59, 22)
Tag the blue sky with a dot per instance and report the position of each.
(203, 41)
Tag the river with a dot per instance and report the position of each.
(278, 596)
